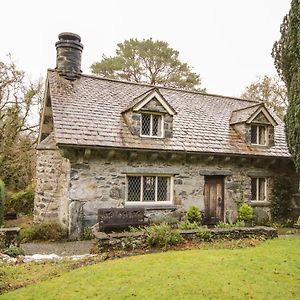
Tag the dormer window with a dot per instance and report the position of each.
(151, 125)
(258, 135)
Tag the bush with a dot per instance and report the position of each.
(87, 234)
(298, 221)
(230, 225)
(2, 195)
(193, 214)
(281, 201)
(44, 232)
(204, 235)
(187, 225)
(245, 212)
(162, 235)
(14, 251)
(22, 202)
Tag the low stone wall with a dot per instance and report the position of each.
(9, 237)
(134, 240)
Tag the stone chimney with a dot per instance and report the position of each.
(68, 55)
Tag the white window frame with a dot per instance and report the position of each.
(258, 189)
(145, 203)
(151, 125)
(257, 135)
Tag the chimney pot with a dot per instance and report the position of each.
(68, 55)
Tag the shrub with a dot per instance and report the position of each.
(230, 225)
(162, 235)
(14, 251)
(88, 234)
(2, 194)
(193, 214)
(21, 202)
(298, 221)
(204, 235)
(245, 212)
(187, 225)
(281, 201)
(44, 232)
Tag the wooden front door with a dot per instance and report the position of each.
(214, 199)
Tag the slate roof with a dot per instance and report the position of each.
(87, 112)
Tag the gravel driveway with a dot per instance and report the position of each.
(61, 249)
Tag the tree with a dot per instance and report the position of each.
(18, 96)
(148, 61)
(271, 91)
(286, 54)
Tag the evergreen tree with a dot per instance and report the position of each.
(286, 54)
(148, 61)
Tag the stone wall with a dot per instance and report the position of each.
(72, 190)
(52, 182)
(135, 240)
(100, 182)
(9, 237)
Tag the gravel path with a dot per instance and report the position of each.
(61, 249)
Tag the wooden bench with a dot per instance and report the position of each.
(120, 218)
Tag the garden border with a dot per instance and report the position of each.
(135, 240)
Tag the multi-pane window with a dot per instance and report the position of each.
(148, 188)
(151, 125)
(258, 189)
(258, 134)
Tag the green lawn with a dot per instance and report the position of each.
(268, 271)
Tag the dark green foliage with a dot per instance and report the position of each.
(286, 54)
(193, 214)
(14, 251)
(187, 225)
(162, 235)
(148, 61)
(87, 234)
(281, 201)
(21, 202)
(2, 195)
(230, 225)
(47, 231)
(245, 212)
(203, 234)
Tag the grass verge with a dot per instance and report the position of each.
(268, 271)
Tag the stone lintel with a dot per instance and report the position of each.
(150, 170)
(259, 173)
(215, 172)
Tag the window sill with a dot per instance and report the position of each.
(151, 137)
(259, 203)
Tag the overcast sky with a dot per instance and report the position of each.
(228, 42)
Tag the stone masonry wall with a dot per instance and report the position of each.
(73, 191)
(52, 181)
(100, 182)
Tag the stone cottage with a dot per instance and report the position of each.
(107, 143)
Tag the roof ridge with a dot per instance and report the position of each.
(162, 87)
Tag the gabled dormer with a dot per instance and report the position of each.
(150, 115)
(254, 124)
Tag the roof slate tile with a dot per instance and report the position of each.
(87, 112)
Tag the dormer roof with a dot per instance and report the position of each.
(251, 113)
(142, 100)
